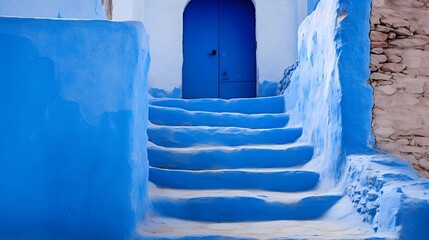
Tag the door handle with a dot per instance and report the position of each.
(213, 52)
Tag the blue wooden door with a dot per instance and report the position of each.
(219, 49)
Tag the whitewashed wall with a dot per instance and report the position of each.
(86, 9)
(277, 24)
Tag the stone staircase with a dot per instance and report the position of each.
(230, 169)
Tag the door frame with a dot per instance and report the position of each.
(256, 42)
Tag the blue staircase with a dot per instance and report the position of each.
(222, 169)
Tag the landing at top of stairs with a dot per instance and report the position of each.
(240, 105)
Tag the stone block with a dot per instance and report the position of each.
(377, 50)
(380, 76)
(411, 149)
(391, 35)
(383, 29)
(395, 22)
(378, 36)
(393, 67)
(408, 3)
(397, 76)
(421, 36)
(420, 141)
(384, 131)
(383, 121)
(424, 163)
(414, 87)
(388, 90)
(378, 3)
(403, 141)
(375, 20)
(402, 32)
(388, 146)
(394, 59)
(387, 12)
(413, 61)
(376, 59)
(379, 44)
(408, 43)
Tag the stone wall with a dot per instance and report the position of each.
(400, 77)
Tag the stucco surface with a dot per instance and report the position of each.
(73, 142)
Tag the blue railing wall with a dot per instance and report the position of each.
(73, 96)
(311, 5)
(314, 95)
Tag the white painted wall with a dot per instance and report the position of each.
(123, 10)
(277, 23)
(85, 9)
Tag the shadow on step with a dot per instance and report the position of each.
(280, 181)
(243, 209)
(228, 158)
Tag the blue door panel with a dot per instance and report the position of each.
(238, 90)
(228, 28)
(237, 48)
(200, 37)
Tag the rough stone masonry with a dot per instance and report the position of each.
(400, 78)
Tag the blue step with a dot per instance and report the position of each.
(211, 237)
(211, 158)
(274, 180)
(226, 136)
(243, 207)
(179, 117)
(244, 105)
(338, 223)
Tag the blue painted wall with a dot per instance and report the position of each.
(311, 5)
(357, 94)
(314, 94)
(267, 89)
(161, 93)
(328, 94)
(73, 145)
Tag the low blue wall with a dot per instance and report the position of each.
(73, 130)
(330, 97)
(311, 5)
(314, 94)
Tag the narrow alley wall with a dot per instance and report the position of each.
(400, 77)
